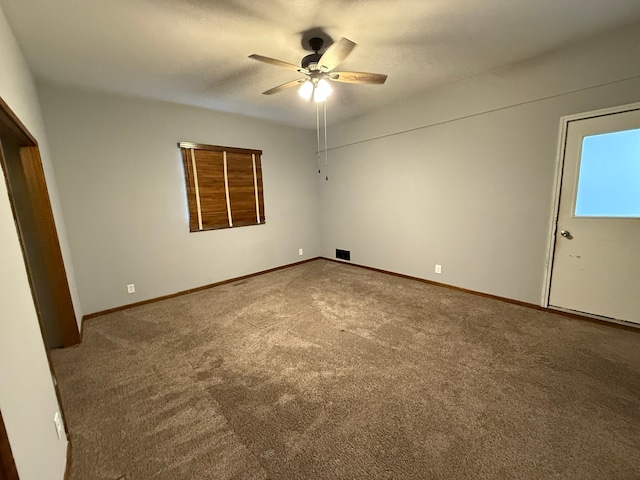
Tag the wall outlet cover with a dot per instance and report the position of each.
(438, 268)
(57, 421)
(131, 288)
(300, 251)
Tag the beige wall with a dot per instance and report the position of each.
(121, 185)
(463, 175)
(27, 397)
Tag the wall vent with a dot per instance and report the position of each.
(343, 254)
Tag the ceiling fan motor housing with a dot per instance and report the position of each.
(316, 44)
(310, 60)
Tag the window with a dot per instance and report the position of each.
(609, 175)
(224, 186)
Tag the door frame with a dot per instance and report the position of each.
(10, 125)
(555, 208)
(48, 238)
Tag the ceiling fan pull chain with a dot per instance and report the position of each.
(326, 145)
(318, 132)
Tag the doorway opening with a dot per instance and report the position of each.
(29, 198)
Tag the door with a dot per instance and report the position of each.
(596, 263)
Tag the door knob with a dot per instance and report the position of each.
(566, 234)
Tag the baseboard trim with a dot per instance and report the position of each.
(67, 470)
(533, 306)
(191, 290)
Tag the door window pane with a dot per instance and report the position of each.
(609, 178)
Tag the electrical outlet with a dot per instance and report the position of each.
(438, 269)
(300, 251)
(131, 288)
(57, 421)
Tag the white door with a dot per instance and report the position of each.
(596, 262)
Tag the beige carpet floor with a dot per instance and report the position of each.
(329, 371)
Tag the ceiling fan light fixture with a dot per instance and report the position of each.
(318, 68)
(322, 91)
(306, 90)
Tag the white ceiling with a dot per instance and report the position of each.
(195, 51)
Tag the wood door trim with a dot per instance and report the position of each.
(39, 194)
(8, 469)
(10, 122)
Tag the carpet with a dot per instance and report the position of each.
(329, 371)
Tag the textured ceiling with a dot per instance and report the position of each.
(195, 51)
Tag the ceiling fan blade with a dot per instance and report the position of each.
(358, 77)
(278, 63)
(284, 86)
(335, 54)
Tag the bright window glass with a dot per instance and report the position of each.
(609, 178)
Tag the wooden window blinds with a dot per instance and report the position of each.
(224, 186)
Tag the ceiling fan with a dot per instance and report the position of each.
(319, 69)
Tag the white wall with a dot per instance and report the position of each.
(121, 185)
(27, 397)
(463, 175)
